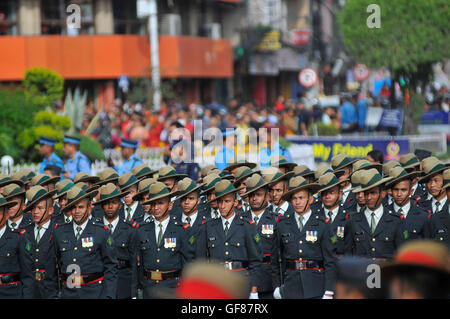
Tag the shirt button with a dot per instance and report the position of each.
(226, 253)
(301, 242)
(300, 251)
(76, 248)
(36, 260)
(37, 250)
(158, 249)
(373, 249)
(373, 239)
(226, 244)
(74, 259)
(238, 244)
(157, 260)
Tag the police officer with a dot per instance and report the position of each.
(123, 235)
(169, 176)
(62, 188)
(271, 147)
(225, 155)
(17, 218)
(161, 244)
(278, 185)
(414, 220)
(131, 210)
(85, 251)
(41, 246)
(77, 161)
(342, 168)
(302, 239)
(208, 191)
(434, 180)
(15, 262)
(231, 239)
(47, 149)
(143, 196)
(130, 158)
(440, 222)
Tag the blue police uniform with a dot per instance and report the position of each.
(129, 164)
(266, 153)
(223, 157)
(52, 160)
(79, 163)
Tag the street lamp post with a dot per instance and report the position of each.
(154, 54)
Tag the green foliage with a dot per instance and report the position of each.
(43, 86)
(412, 33)
(91, 148)
(324, 129)
(74, 107)
(284, 142)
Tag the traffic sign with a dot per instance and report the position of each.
(308, 77)
(361, 72)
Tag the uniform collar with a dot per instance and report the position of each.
(405, 208)
(113, 223)
(193, 218)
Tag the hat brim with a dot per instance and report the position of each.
(22, 193)
(233, 166)
(9, 204)
(225, 194)
(379, 183)
(13, 181)
(31, 204)
(191, 191)
(428, 176)
(101, 202)
(342, 167)
(106, 181)
(138, 196)
(411, 166)
(378, 167)
(306, 175)
(176, 176)
(255, 189)
(312, 188)
(50, 181)
(401, 178)
(91, 194)
(321, 190)
(128, 186)
(90, 179)
(240, 179)
(289, 166)
(286, 176)
(147, 175)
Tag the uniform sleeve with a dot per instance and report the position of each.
(84, 165)
(51, 275)
(132, 251)
(110, 265)
(348, 238)
(275, 256)
(254, 254)
(26, 267)
(329, 258)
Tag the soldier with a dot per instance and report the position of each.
(45, 181)
(323, 169)
(388, 200)
(342, 169)
(83, 177)
(85, 252)
(278, 185)
(130, 158)
(169, 176)
(142, 171)
(123, 236)
(108, 175)
(62, 188)
(52, 170)
(25, 175)
(374, 233)
(16, 278)
(412, 164)
(282, 164)
(302, 239)
(77, 161)
(143, 196)
(434, 180)
(40, 245)
(440, 222)
(257, 191)
(230, 239)
(131, 210)
(305, 172)
(17, 219)
(161, 245)
(209, 183)
(359, 196)
(47, 149)
(241, 174)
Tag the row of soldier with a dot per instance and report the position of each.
(285, 226)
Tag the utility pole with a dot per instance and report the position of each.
(154, 54)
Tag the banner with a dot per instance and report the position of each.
(435, 117)
(355, 148)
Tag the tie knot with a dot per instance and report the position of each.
(188, 219)
(256, 219)
(13, 225)
(373, 214)
(67, 220)
(160, 225)
(227, 223)
(110, 226)
(330, 213)
(79, 228)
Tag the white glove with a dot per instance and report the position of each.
(253, 295)
(276, 293)
(328, 295)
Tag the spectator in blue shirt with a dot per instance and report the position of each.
(361, 106)
(349, 118)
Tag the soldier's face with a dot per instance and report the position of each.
(129, 198)
(282, 169)
(374, 196)
(111, 208)
(244, 189)
(331, 197)
(62, 201)
(147, 208)
(210, 197)
(276, 191)
(14, 210)
(161, 208)
(3, 217)
(360, 199)
(42, 211)
(189, 202)
(226, 203)
(170, 183)
(448, 193)
(401, 192)
(435, 184)
(258, 199)
(343, 176)
(301, 201)
(81, 211)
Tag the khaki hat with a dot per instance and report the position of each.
(12, 190)
(225, 187)
(356, 181)
(63, 187)
(126, 181)
(322, 169)
(281, 161)
(85, 187)
(35, 194)
(187, 186)
(168, 171)
(143, 187)
(142, 171)
(299, 183)
(387, 167)
(329, 180)
(242, 173)
(108, 175)
(4, 202)
(44, 179)
(399, 174)
(108, 192)
(75, 195)
(273, 175)
(25, 175)
(223, 174)
(431, 166)
(235, 163)
(409, 160)
(303, 170)
(209, 182)
(447, 179)
(5, 180)
(340, 161)
(85, 177)
(254, 183)
(157, 191)
(372, 178)
(365, 164)
(205, 170)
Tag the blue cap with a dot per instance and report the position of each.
(71, 139)
(47, 140)
(129, 143)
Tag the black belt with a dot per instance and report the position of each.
(85, 279)
(123, 263)
(302, 264)
(235, 265)
(161, 275)
(9, 278)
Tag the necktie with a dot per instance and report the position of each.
(300, 222)
(372, 223)
(256, 219)
(330, 215)
(78, 232)
(110, 226)
(226, 228)
(13, 225)
(67, 220)
(188, 220)
(437, 206)
(160, 234)
(128, 213)
(400, 211)
(216, 214)
(38, 236)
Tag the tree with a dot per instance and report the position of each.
(43, 86)
(412, 35)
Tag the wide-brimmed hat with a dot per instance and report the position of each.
(408, 161)
(85, 177)
(225, 187)
(187, 186)
(273, 175)
(321, 170)
(431, 166)
(242, 173)
(206, 169)
(329, 180)
(108, 175)
(388, 166)
(35, 194)
(8, 204)
(109, 192)
(297, 184)
(372, 178)
(126, 181)
(25, 175)
(44, 179)
(303, 170)
(157, 191)
(143, 187)
(209, 182)
(365, 164)
(75, 195)
(446, 179)
(254, 183)
(12, 190)
(356, 181)
(142, 171)
(281, 161)
(85, 186)
(62, 187)
(168, 171)
(423, 254)
(235, 163)
(5, 180)
(340, 161)
(399, 174)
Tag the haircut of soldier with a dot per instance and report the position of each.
(374, 197)
(161, 208)
(81, 211)
(42, 211)
(190, 203)
(226, 205)
(331, 197)
(111, 208)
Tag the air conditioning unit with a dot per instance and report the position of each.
(171, 24)
(213, 30)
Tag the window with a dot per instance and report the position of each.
(8, 17)
(125, 18)
(54, 17)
